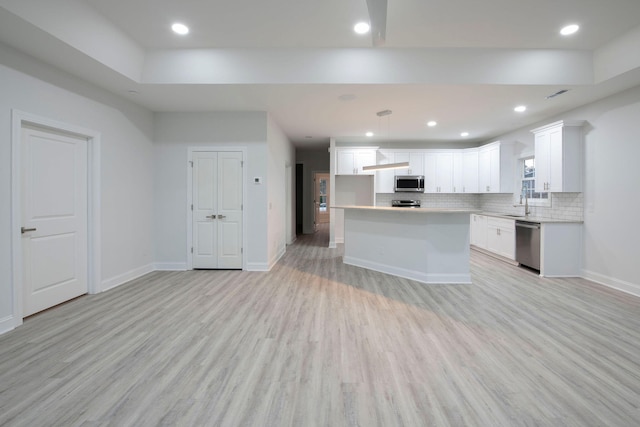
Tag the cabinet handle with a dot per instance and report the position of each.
(26, 230)
(211, 216)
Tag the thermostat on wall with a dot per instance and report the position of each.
(257, 180)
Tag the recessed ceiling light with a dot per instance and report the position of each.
(361, 28)
(432, 123)
(463, 134)
(179, 28)
(369, 134)
(520, 109)
(569, 29)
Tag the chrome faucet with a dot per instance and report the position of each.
(526, 201)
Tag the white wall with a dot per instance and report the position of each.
(611, 186)
(312, 160)
(126, 166)
(174, 133)
(281, 156)
(351, 190)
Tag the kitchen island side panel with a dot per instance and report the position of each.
(429, 247)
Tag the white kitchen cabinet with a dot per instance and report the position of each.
(351, 161)
(496, 168)
(469, 171)
(415, 159)
(458, 172)
(465, 171)
(438, 172)
(558, 151)
(478, 232)
(501, 237)
(384, 178)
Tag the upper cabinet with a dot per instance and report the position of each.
(469, 171)
(495, 168)
(350, 161)
(486, 169)
(558, 151)
(465, 171)
(438, 172)
(384, 177)
(415, 159)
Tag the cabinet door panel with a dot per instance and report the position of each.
(345, 163)
(470, 172)
(444, 178)
(542, 141)
(555, 160)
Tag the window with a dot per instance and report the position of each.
(528, 181)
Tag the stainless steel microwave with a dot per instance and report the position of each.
(409, 183)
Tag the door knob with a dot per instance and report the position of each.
(211, 216)
(25, 230)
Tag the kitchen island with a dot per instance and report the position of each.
(423, 244)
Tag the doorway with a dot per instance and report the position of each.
(216, 210)
(321, 198)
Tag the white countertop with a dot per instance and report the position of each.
(409, 210)
(529, 218)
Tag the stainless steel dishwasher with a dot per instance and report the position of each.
(528, 244)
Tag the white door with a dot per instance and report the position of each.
(217, 210)
(54, 219)
(321, 199)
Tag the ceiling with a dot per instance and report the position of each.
(463, 63)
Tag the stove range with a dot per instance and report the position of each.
(405, 203)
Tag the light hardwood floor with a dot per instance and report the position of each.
(318, 343)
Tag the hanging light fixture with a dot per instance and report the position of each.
(398, 165)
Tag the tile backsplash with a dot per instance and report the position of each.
(429, 200)
(568, 206)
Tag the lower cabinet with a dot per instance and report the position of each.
(496, 235)
(478, 231)
(501, 237)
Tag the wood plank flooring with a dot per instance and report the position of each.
(318, 343)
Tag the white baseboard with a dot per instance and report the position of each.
(257, 266)
(610, 282)
(275, 259)
(7, 324)
(459, 278)
(123, 278)
(170, 266)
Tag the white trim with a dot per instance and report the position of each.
(7, 324)
(257, 266)
(429, 279)
(123, 278)
(19, 118)
(170, 266)
(613, 283)
(277, 258)
(210, 148)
